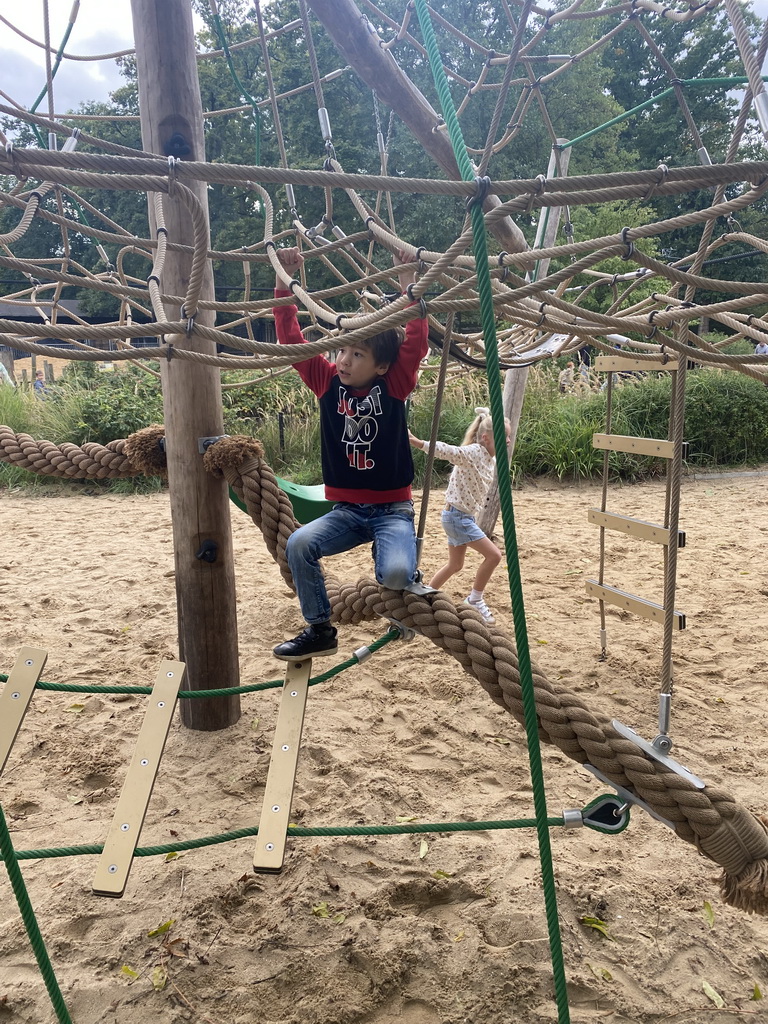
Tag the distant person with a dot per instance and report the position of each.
(761, 349)
(5, 377)
(40, 389)
(474, 470)
(565, 379)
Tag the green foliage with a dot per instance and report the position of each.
(117, 404)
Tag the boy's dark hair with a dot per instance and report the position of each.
(384, 346)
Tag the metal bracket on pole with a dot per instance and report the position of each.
(204, 443)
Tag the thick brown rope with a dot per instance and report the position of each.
(709, 818)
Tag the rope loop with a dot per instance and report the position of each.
(482, 188)
(339, 318)
(629, 244)
(422, 266)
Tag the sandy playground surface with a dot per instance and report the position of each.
(390, 929)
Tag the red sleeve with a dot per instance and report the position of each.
(316, 372)
(403, 374)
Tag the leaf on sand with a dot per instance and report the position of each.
(403, 819)
(756, 993)
(321, 910)
(162, 928)
(712, 994)
(125, 969)
(75, 708)
(442, 874)
(171, 855)
(423, 849)
(159, 978)
(709, 914)
(600, 972)
(598, 925)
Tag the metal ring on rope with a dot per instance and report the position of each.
(629, 244)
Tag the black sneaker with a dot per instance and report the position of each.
(314, 641)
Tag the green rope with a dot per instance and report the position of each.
(243, 91)
(30, 922)
(389, 636)
(690, 83)
(411, 828)
(507, 511)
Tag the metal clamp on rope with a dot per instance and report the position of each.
(406, 633)
(362, 654)
(482, 188)
(607, 813)
(658, 755)
(573, 818)
(204, 443)
(629, 244)
(172, 162)
(629, 797)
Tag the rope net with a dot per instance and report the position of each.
(544, 293)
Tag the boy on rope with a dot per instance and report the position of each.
(366, 460)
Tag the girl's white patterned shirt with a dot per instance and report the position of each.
(473, 473)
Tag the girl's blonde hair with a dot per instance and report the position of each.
(481, 424)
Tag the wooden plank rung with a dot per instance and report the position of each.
(278, 793)
(16, 695)
(116, 858)
(631, 603)
(636, 445)
(637, 528)
(619, 363)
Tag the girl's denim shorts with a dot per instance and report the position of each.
(460, 527)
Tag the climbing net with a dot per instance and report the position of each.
(542, 294)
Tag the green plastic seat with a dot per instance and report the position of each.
(308, 501)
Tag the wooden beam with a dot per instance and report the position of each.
(172, 121)
(637, 528)
(632, 603)
(634, 445)
(361, 48)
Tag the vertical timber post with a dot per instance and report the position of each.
(172, 123)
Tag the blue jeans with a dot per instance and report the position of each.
(389, 527)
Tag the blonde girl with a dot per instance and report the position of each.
(474, 468)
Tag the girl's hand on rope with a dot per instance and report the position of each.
(291, 259)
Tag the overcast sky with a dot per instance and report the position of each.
(102, 26)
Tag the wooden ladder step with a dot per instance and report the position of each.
(624, 363)
(631, 603)
(16, 695)
(278, 793)
(116, 858)
(637, 528)
(637, 445)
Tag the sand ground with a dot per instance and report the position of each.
(379, 930)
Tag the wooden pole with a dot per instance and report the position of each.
(172, 122)
(360, 46)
